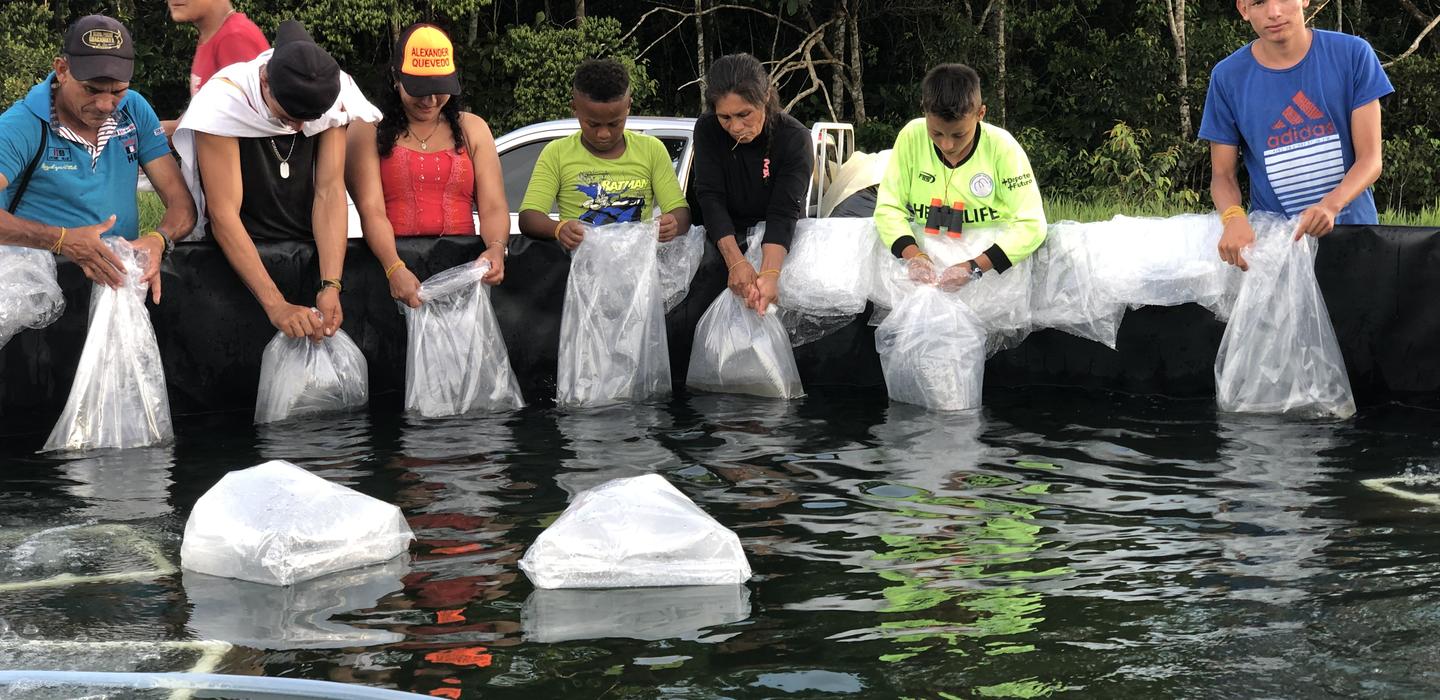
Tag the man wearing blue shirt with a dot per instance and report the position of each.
(1301, 106)
(70, 154)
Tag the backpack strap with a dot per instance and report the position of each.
(24, 180)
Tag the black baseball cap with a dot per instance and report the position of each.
(97, 46)
(424, 62)
(303, 77)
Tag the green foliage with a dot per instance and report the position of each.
(27, 48)
(541, 60)
(1411, 169)
(873, 136)
(1129, 165)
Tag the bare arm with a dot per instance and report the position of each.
(362, 177)
(81, 244)
(328, 219)
(1319, 219)
(218, 158)
(490, 202)
(1225, 192)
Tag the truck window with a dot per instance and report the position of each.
(516, 165)
(675, 145)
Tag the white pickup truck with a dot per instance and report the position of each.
(833, 144)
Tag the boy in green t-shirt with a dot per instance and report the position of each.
(603, 174)
(951, 171)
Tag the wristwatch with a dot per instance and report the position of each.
(975, 269)
(169, 244)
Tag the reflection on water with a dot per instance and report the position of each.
(299, 616)
(1051, 544)
(561, 615)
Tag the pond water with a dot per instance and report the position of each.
(1056, 543)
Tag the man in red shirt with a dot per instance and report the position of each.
(226, 37)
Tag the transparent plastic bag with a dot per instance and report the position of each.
(737, 351)
(30, 296)
(1064, 291)
(300, 377)
(827, 276)
(676, 261)
(118, 398)
(635, 532)
(1279, 353)
(456, 358)
(612, 330)
(932, 351)
(278, 524)
(1160, 262)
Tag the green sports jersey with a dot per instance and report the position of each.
(601, 191)
(995, 184)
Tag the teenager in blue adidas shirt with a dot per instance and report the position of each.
(90, 132)
(1301, 107)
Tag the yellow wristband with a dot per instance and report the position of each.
(59, 241)
(558, 224)
(736, 264)
(393, 267)
(921, 255)
(770, 272)
(1231, 213)
(331, 282)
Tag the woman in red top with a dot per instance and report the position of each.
(427, 166)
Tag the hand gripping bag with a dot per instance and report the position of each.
(1279, 353)
(300, 377)
(677, 260)
(634, 532)
(456, 357)
(1001, 300)
(932, 351)
(612, 330)
(278, 524)
(118, 398)
(30, 296)
(738, 351)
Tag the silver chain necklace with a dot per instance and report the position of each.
(285, 161)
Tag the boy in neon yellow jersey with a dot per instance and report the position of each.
(951, 171)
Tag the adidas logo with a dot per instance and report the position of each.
(1292, 114)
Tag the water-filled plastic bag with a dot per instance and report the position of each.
(300, 377)
(278, 524)
(118, 398)
(635, 532)
(612, 330)
(456, 361)
(1279, 353)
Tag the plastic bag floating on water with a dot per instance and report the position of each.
(457, 361)
(737, 351)
(278, 524)
(932, 351)
(635, 532)
(676, 261)
(29, 294)
(1279, 353)
(118, 398)
(612, 331)
(300, 377)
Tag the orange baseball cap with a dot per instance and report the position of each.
(424, 62)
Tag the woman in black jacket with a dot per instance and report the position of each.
(753, 163)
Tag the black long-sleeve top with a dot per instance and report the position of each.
(740, 185)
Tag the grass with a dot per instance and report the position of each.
(1064, 209)
(1056, 209)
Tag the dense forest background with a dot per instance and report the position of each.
(1105, 95)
